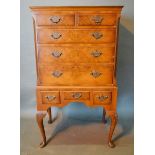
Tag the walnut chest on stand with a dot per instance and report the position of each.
(76, 55)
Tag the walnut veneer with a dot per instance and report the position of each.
(76, 52)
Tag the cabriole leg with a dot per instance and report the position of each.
(39, 117)
(103, 116)
(49, 115)
(114, 118)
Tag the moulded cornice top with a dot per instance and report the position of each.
(46, 8)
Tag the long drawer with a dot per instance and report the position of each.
(45, 35)
(70, 54)
(76, 75)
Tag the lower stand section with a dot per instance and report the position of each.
(41, 114)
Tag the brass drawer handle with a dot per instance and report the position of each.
(57, 73)
(97, 35)
(55, 19)
(56, 54)
(96, 53)
(95, 74)
(97, 19)
(76, 95)
(56, 35)
(50, 97)
(102, 98)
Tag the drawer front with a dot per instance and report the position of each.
(76, 95)
(100, 98)
(77, 36)
(55, 19)
(70, 54)
(72, 75)
(56, 54)
(50, 97)
(96, 54)
(87, 19)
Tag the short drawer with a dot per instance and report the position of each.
(103, 97)
(76, 95)
(55, 19)
(76, 35)
(73, 75)
(50, 97)
(88, 19)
